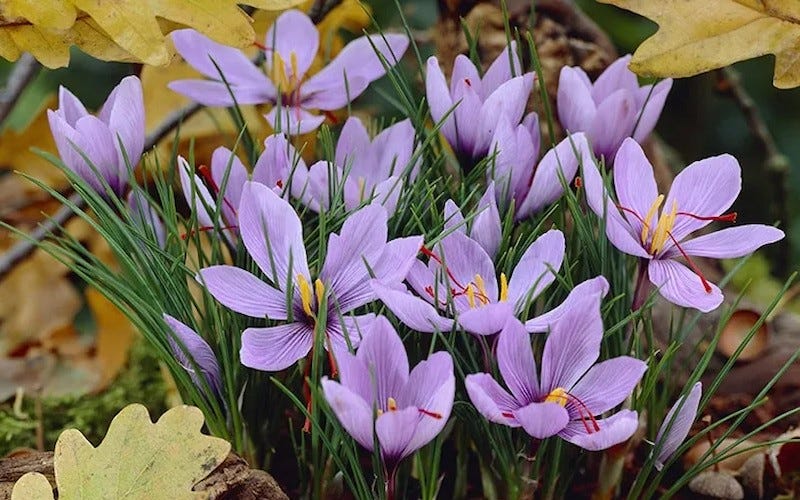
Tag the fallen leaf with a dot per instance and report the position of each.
(139, 459)
(32, 486)
(694, 37)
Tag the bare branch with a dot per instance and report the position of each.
(21, 76)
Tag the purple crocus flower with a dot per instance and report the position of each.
(106, 140)
(273, 236)
(145, 216)
(677, 424)
(191, 350)
(611, 109)
(519, 178)
(376, 391)
(477, 104)
(366, 169)
(486, 226)
(700, 194)
(291, 45)
(570, 393)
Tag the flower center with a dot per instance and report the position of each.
(561, 396)
(391, 405)
(474, 290)
(307, 297)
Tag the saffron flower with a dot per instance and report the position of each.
(110, 141)
(273, 236)
(570, 393)
(677, 424)
(611, 109)
(367, 170)
(476, 105)
(292, 43)
(376, 391)
(190, 350)
(520, 179)
(486, 227)
(647, 225)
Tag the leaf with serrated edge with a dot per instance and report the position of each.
(139, 459)
(695, 36)
(32, 486)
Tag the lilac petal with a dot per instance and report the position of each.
(293, 120)
(420, 277)
(547, 186)
(292, 36)
(349, 257)
(491, 400)
(209, 93)
(595, 287)
(616, 76)
(466, 115)
(393, 147)
(352, 329)
(542, 420)
(97, 142)
(329, 90)
(465, 259)
(507, 102)
(124, 114)
(146, 217)
(729, 243)
(453, 218)
(465, 72)
(706, 188)
(324, 183)
(70, 108)
(189, 342)
(614, 121)
(210, 58)
(535, 270)
(513, 161)
(353, 141)
(679, 425)
(272, 234)
(196, 194)
(576, 108)
(277, 163)
(609, 383)
(653, 104)
(486, 225)
(516, 363)
(682, 287)
(573, 346)
(242, 292)
(397, 258)
(275, 348)
(395, 430)
(618, 230)
(384, 354)
(67, 140)
(412, 311)
(352, 411)
(635, 184)
(431, 388)
(615, 429)
(353, 373)
(500, 70)
(486, 319)
(229, 175)
(440, 100)
(387, 194)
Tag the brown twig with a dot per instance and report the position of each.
(25, 247)
(729, 83)
(23, 74)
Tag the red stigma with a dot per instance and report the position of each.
(455, 293)
(691, 263)
(203, 229)
(731, 217)
(436, 415)
(330, 116)
(469, 83)
(260, 45)
(578, 182)
(279, 183)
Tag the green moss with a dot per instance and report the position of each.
(141, 382)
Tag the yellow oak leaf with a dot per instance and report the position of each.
(695, 36)
(139, 459)
(32, 486)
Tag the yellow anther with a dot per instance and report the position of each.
(391, 404)
(295, 73)
(305, 294)
(557, 395)
(664, 226)
(470, 295)
(362, 184)
(319, 289)
(647, 218)
(503, 287)
(482, 296)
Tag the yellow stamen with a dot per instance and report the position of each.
(305, 294)
(557, 395)
(319, 289)
(391, 404)
(664, 226)
(503, 287)
(482, 296)
(470, 295)
(647, 218)
(293, 62)
(362, 184)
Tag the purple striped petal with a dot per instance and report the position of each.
(193, 345)
(352, 411)
(615, 429)
(275, 348)
(609, 383)
(535, 270)
(679, 421)
(491, 400)
(542, 420)
(595, 287)
(292, 37)
(412, 311)
(516, 363)
(730, 242)
(682, 287)
(244, 293)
